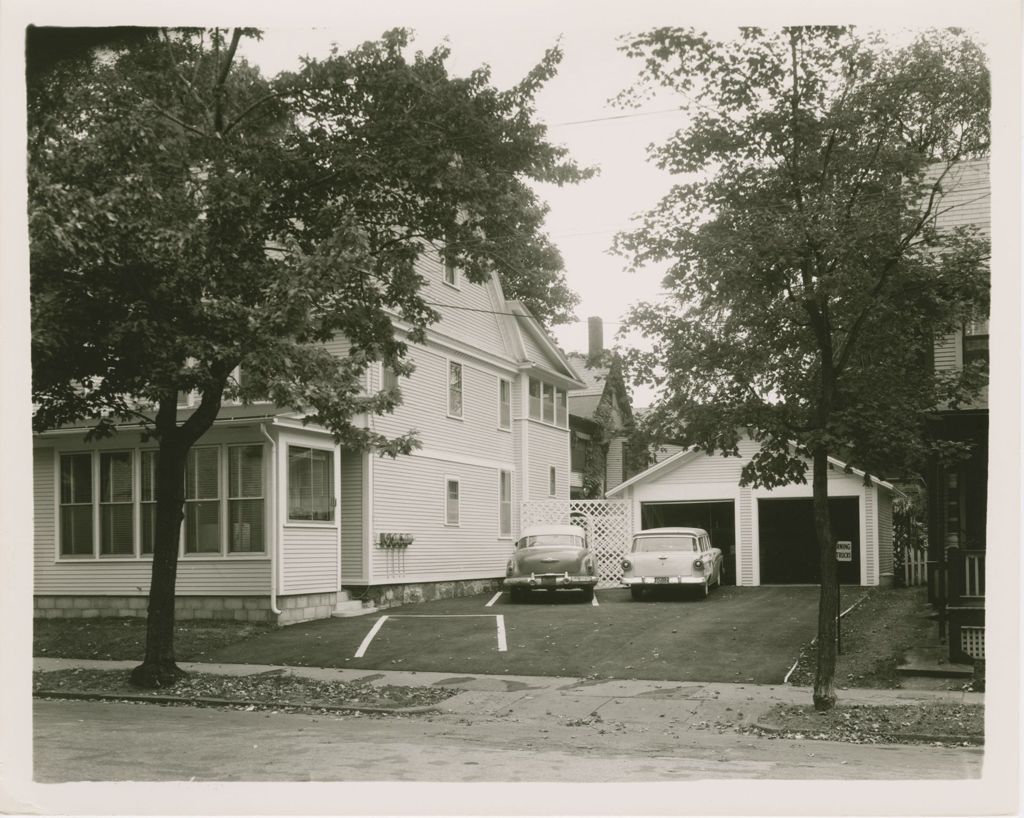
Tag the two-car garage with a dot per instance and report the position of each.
(768, 535)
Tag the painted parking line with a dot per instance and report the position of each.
(502, 642)
(369, 637)
(494, 599)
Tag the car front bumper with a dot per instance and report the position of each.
(550, 581)
(661, 580)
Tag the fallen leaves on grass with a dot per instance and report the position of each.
(942, 722)
(278, 689)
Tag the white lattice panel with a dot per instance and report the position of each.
(608, 523)
(972, 641)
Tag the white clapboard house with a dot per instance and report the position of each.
(282, 525)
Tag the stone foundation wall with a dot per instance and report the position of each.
(298, 608)
(391, 596)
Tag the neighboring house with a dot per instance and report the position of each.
(283, 525)
(957, 495)
(767, 535)
(599, 414)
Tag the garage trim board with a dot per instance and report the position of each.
(499, 622)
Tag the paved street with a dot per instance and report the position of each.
(93, 741)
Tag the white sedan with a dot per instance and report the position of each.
(673, 557)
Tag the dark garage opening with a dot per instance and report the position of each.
(718, 518)
(789, 549)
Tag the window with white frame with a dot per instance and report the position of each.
(552, 481)
(202, 501)
(547, 403)
(451, 502)
(76, 513)
(101, 490)
(389, 378)
(451, 275)
(504, 504)
(117, 508)
(535, 399)
(147, 500)
(455, 389)
(245, 498)
(504, 403)
(310, 484)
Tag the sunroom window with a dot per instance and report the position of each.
(245, 498)
(116, 503)
(76, 504)
(310, 484)
(202, 502)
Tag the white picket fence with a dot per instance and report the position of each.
(915, 566)
(608, 523)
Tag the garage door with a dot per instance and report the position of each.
(718, 518)
(789, 549)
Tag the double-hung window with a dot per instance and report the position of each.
(245, 498)
(504, 504)
(117, 509)
(454, 389)
(451, 501)
(310, 484)
(76, 537)
(202, 501)
(504, 404)
(552, 481)
(147, 499)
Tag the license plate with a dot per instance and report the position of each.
(549, 580)
(660, 580)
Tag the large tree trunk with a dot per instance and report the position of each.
(828, 604)
(159, 668)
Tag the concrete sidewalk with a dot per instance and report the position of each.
(545, 697)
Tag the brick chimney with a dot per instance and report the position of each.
(595, 335)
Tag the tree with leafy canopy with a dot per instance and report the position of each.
(805, 274)
(189, 216)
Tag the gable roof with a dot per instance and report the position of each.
(687, 455)
(600, 381)
(537, 348)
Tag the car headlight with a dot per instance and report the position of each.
(698, 563)
(627, 565)
(588, 565)
(510, 568)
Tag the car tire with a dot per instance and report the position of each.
(636, 592)
(588, 594)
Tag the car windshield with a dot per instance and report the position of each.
(564, 540)
(668, 542)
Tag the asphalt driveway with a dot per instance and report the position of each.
(735, 635)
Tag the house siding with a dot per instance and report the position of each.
(885, 534)
(309, 556)
(614, 463)
(353, 545)
(534, 352)
(549, 446)
(467, 312)
(870, 547)
(409, 496)
(425, 407)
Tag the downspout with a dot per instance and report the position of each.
(275, 537)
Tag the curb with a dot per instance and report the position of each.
(208, 701)
(906, 737)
